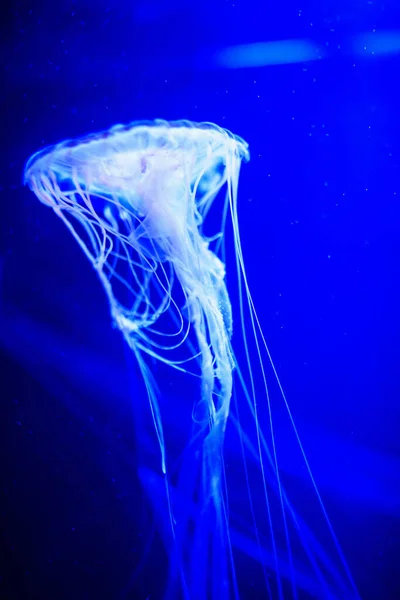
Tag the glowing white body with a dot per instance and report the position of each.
(140, 195)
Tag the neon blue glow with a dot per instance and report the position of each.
(136, 199)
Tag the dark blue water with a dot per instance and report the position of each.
(319, 207)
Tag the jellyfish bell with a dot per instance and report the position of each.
(166, 174)
(135, 198)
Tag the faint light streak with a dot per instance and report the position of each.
(261, 54)
(377, 43)
(268, 53)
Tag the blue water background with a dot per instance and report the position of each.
(319, 207)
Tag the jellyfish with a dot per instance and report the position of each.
(137, 198)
